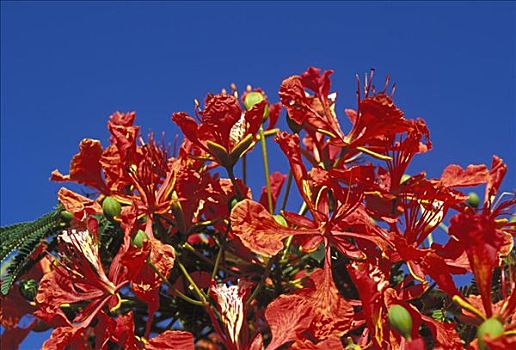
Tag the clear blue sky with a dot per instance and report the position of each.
(67, 66)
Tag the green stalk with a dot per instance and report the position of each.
(287, 190)
(262, 280)
(217, 263)
(171, 286)
(266, 168)
(232, 177)
(244, 169)
(200, 294)
(302, 210)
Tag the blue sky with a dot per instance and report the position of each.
(67, 66)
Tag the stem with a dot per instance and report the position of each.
(286, 249)
(287, 190)
(244, 169)
(266, 169)
(200, 294)
(192, 250)
(466, 305)
(231, 175)
(302, 210)
(262, 280)
(171, 286)
(217, 262)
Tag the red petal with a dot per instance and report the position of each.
(455, 176)
(187, 125)
(62, 337)
(277, 180)
(482, 243)
(254, 117)
(171, 340)
(258, 230)
(78, 205)
(290, 145)
(332, 315)
(496, 175)
(444, 334)
(85, 167)
(288, 316)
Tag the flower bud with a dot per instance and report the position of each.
(400, 320)
(404, 178)
(66, 216)
(473, 200)
(111, 207)
(29, 289)
(252, 98)
(280, 220)
(139, 238)
(492, 328)
(233, 202)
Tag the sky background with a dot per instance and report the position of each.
(65, 67)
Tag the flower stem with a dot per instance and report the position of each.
(262, 280)
(244, 169)
(217, 262)
(171, 286)
(287, 190)
(288, 242)
(200, 294)
(266, 169)
(231, 175)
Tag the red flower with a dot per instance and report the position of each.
(225, 132)
(314, 113)
(85, 167)
(478, 236)
(121, 332)
(80, 277)
(231, 301)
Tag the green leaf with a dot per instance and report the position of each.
(20, 241)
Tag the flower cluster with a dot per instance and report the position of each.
(170, 249)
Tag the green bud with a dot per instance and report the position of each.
(473, 200)
(280, 220)
(491, 327)
(404, 178)
(111, 207)
(29, 289)
(400, 320)
(139, 238)
(252, 98)
(233, 202)
(66, 216)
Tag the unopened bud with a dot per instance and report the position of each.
(473, 200)
(400, 320)
(491, 328)
(139, 238)
(280, 220)
(66, 216)
(111, 207)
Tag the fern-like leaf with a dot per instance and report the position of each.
(20, 241)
